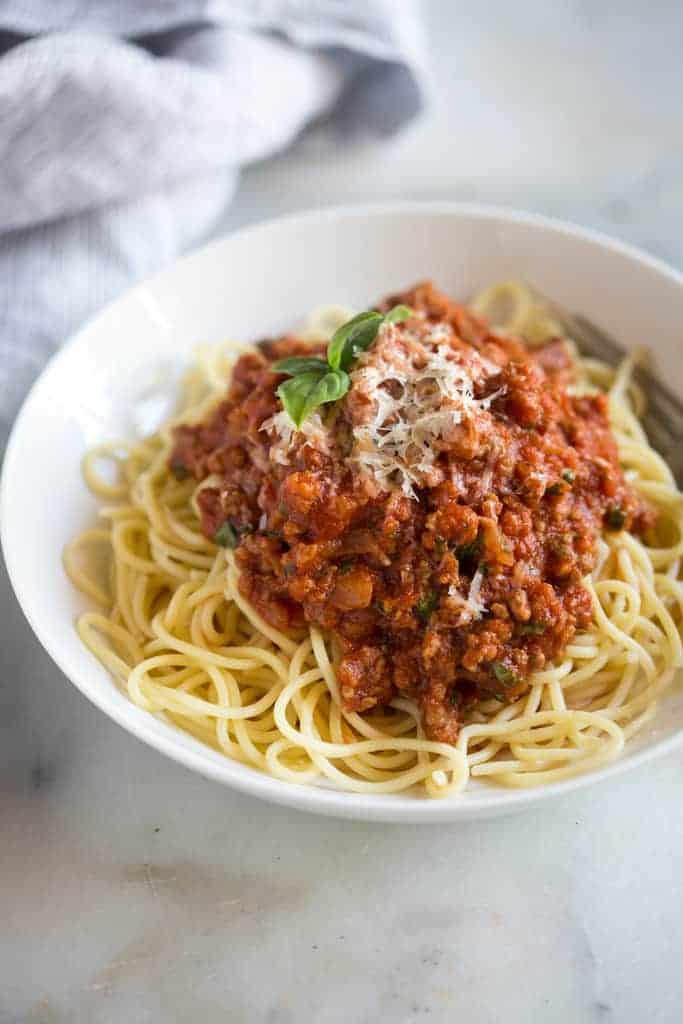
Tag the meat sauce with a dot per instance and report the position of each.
(455, 592)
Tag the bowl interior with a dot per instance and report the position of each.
(114, 379)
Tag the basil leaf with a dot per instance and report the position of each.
(532, 628)
(294, 394)
(362, 341)
(313, 381)
(302, 394)
(329, 388)
(398, 314)
(358, 333)
(300, 364)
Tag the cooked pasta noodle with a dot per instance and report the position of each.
(174, 630)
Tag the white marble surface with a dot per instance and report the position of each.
(132, 891)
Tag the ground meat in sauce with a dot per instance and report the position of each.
(511, 508)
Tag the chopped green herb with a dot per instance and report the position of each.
(502, 673)
(440, 546)
(346, 565)
(289, 569)
(568, 475)
(226, 535)
(272, 534)
(500, 697)
(426, 605)
(554, 490)
(470, 550)
(179, 470)
(615, 517)
(559, 547)
(532, 628)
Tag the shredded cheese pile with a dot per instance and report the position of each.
(420, 397)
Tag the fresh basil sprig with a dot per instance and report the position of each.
(313, 381)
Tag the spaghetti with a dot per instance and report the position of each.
(181, 638)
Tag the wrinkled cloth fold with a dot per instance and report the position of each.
(123, 127)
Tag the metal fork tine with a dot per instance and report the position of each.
(663, 418)
(665, 405)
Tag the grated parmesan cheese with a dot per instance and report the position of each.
(471, 607)
(398, 445)
(474, 595)
(287, 435)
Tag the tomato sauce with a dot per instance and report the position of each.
(457, 591)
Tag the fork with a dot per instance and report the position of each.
(663, 418)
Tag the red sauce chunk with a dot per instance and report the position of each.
(438, 519)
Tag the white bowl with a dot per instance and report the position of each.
(117, 373)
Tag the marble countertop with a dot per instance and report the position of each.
(132, 891)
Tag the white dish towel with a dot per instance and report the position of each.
(123, 126)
